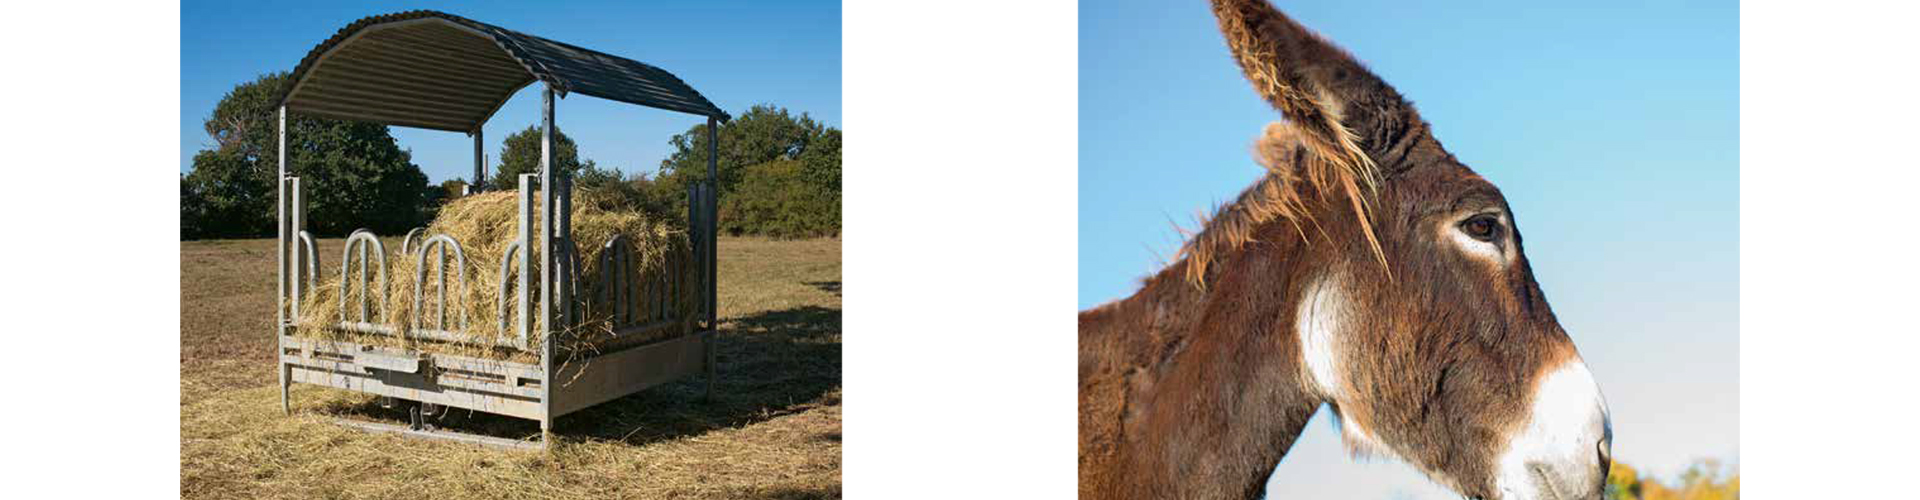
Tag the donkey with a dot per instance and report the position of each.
(1369, 271)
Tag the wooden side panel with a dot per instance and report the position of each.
(613, 375)
(511, 389)
(415, 387)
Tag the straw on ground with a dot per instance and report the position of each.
(772, 431)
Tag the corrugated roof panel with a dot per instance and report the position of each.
(435, 70)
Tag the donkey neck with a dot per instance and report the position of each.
(1209, 381)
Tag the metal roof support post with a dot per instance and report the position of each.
(280, 255)
(280, 226)
(479, 181)
(713, 241)
(547, 281)
(713, 222)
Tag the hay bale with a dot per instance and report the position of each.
(485, 225)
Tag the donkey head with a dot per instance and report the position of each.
(1419, 321)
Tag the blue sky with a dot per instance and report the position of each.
(737, 53)
(1612, 129)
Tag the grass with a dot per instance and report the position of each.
(772, 430)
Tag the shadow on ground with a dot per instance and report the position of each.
(795, 494)
(770, 364)
(832, 287)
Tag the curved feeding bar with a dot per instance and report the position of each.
(506, 278)
(313, 258)
(362, 239)
(311, 261)
(406, 244)
(438, 242)
(567, 286)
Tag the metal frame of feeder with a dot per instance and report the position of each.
(433, 70)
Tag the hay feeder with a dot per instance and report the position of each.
(438, 71)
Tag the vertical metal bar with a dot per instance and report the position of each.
(627, 283)
(440, 260)
(479, 181)
(713, 224)
(658, 280)
(606, 280)
(280, 255)
(563, 261)
(296, 225)
(672, 283)
(546, 211)
(280, 227)
(695, 242)
(713, 242)
(617, 272)
(364, 291)
(546, 262)
(525, 305)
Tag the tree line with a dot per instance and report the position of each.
(1705, 479)
(779, 173)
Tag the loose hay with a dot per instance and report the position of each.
(484, 226)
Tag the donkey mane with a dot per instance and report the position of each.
(1299, 170)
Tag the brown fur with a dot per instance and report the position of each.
(1197, 391)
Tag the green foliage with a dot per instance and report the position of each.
(353, 173)
(520, 154)
(594, 177)
(1623, 483)
(779, 173)
(193, 210)
(1704, 480)
(778, 199)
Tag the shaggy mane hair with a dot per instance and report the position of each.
(1295, 165)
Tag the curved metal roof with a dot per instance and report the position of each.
(440, 71)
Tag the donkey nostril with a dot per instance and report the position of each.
(1606, 457)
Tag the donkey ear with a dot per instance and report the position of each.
(1343, 111)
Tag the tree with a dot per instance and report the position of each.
(520, 154)
(1704, 480)
(353, 173)
(820, 171)
(590, 176)
(802, 155)
(762, 134)
(193, 210)
(776, 199)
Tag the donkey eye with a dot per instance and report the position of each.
(1482, 227)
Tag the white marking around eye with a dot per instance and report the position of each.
(1484, 250)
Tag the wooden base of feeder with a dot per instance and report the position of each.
(492, 386)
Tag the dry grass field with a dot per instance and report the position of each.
(771, 431)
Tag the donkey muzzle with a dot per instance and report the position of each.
(1566, 449)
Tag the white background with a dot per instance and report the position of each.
(959, 241)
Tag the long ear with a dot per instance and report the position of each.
(1319, 87)
(1342, 113)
